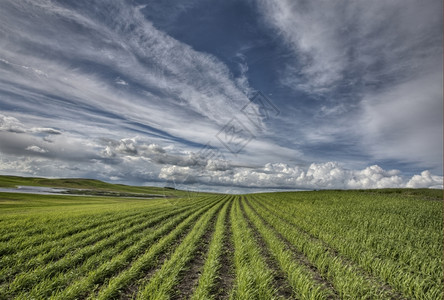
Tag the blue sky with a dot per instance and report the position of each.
(228, 96)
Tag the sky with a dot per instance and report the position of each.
(227, 96)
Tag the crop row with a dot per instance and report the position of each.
(265, 246)
(119, 243)
(331, 230)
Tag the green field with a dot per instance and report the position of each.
(372, 244)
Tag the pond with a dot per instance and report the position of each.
(41, 190)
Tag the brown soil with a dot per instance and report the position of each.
(191, 273)
(226, 273)
(383, 287)
(281, 284)
(299, 257)
(131, 290)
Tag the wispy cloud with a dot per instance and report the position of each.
(404, 122)
(165, 75)
(348, 43)
(375, 70)
(108, 93)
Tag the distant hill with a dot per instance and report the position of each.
(94, 185)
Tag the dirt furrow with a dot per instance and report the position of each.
(225, 280)
(281, 284)
(298, 256)
(384, 287)
(190, 275)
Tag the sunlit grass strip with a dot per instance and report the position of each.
(51, 248)
(42, 226)
(161, 283)
(41, 239)
(122, 259)
(148, 259)
(25, 261)
(348, 283)
(353, 242)
(58, 282)
(36, 240)
(25, 281)
(253, 277)
(36, 226)
(301, 280)
(405, 231)
(212, 265)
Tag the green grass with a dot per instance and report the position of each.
(160, 284)
(212, 266)
(92, 185)
(299, 275)
(253, 276)
(366, 244)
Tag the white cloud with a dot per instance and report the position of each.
(23, 140)
(127, 146)
(154, 153)
(178, 174)
(242, 79)
(310, 30)
(24, 166)
(340, 43)
(121, 82)
(184, 96)
(46, 130)
(35, 148)
(172, 84)
(11, 124)
(425, 180)
(139, 161)
(329, 175)
(172, 81)
(404, 122)
(376, 68)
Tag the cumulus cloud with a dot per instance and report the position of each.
(11, 124)
(154, 153)
(425, 180)
(124, 146)
(137, 160)
(121, 82)
(35, 148)
(329, 175)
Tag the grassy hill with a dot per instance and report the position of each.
(92, 185)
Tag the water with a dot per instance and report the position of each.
(40, 190)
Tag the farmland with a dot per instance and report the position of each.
(369, 244)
